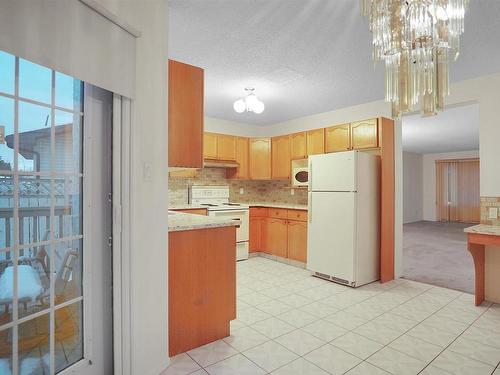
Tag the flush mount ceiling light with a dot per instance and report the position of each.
(250, 103)
(414, 38)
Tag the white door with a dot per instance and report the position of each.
(331, 234)
(55, 262)
(333, 172)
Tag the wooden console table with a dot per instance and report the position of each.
(478, 237)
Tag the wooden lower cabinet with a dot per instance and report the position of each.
(279, 232)
(297, 240)
(201, 287)
(255, 242)
(276, 242)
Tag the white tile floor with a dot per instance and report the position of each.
(291, 323)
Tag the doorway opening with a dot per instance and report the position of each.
(440, 196)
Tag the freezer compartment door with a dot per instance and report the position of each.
(331, 234)
(333, 172)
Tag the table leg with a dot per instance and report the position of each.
(478, 256)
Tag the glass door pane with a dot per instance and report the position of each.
(41, 237)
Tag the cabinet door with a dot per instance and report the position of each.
(281, 163)
(210, 146)
(297, 240)
(298, 146)
(255, 234)
(260, 158)
(226, 147)
(276, 237)
(364, 134)
(337, 138)
(316, 141)
(185, 115)
(242, 157)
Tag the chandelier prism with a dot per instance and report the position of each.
(414, 39)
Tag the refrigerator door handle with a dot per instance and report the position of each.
(310, 208)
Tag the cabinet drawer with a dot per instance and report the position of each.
(258, 211)
(279, 213)
(299, 215)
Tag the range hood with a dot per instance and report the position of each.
(213, 163)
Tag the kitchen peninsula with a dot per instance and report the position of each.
(202, 279)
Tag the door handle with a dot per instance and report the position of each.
(310, 213)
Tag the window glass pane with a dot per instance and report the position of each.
(35, 81)
(68, 283)
(34, 209)
(33, 280)
(68, 206)
(6, 287)
(6, 212)
(7, 72)
(68, 92)
(34, 138)
(6, 351)
(33, 344)
(68, 335)
(68, 135)
(6, 134)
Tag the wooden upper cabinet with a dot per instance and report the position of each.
(364, 134)
(297, 240)
(276, 237)
(315, 141)
(210, 146)
(185, 115)
(260, 158)
(298, 146)
(337, 138)
(241, 172)
(226, 147)
(281, 163)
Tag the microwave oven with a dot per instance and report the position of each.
(300, 176)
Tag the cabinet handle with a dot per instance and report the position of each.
(310, 212)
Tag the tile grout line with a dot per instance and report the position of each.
(372, 297)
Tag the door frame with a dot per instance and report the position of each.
(121, 180)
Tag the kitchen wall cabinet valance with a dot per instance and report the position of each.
(86, 42)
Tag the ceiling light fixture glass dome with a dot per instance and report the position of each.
(249, 104)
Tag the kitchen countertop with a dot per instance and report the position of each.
(289, 206)
(179, 221)
(186, 206)
(492, 230)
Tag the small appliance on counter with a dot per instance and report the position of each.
(216, 199)
(344, 217)
(300, 173)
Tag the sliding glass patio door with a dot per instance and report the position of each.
(45, 321)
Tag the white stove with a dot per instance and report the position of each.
(216, 200)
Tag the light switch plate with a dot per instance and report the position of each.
(493, 213)
(292, 191)
(242, 191)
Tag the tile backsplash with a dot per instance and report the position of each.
(274, 191)
(486, 203)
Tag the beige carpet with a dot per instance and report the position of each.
(436, 253)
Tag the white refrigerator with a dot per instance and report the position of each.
(344, 217)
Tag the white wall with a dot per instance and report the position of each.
(217, 125)
(429, 179)
(149, 198)
(412, 187)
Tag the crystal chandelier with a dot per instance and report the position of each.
(414, 39)
(250, 103)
